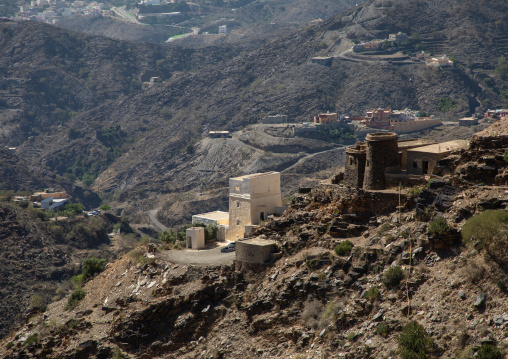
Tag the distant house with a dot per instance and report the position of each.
(439, 61)
(468, 121)
(496, 113)
(326, 118)
(223, 29)
(399, 37)
(51, 203)
(219, 134)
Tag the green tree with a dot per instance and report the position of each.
(168, 236)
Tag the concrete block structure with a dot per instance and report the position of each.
(254, 250)
(382, 156)
(195, 237)
(422, 160)
(251, 199)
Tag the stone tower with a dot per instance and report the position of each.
(355, 165)
(382, 156)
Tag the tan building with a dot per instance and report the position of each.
(422, 160)
(219, 218)
(195, 237)
(326, 118)
(251, 199)
(254, 250)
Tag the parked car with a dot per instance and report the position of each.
(231, 247)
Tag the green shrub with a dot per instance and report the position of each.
(488, 351)
(393, 276)
(343, 248)
(372, 294)
(486, 227)
(9, 345)
(32, 339)
(445, 104)
(382, 329)
(76, 295)
(92, 266)
(414, 342)
(105, 207)
(167, 236)
(439, 226)
(73, 323)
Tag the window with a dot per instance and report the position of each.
(237, 222)
(415, 165)
(237, 188)
(368, 163)
(237, 204)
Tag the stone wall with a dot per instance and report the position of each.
(382, 155)
(355, 166)
(254, 250)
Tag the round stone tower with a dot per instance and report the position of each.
(382, 156)
(355, 165)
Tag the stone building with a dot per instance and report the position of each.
(254, 250)
(382, 155)
(356, 157)
(251, 199)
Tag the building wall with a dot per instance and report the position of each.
(382, 155)
(239, 216)
(253, 253)
(252, 199)
(195, 237)
(413, 126)
(355, 167)
(416, 162)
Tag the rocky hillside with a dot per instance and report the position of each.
(353, 273)
(40, 254)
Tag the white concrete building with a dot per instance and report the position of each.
(223, 29)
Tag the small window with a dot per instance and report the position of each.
(237, 222)
(237, 188)
(415, 165)
(351, 160)
(237, 204)
(368, 163)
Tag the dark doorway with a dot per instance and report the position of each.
(425, 167)
(262, 216)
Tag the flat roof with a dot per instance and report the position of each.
(443, 147)
(257, 241)
(213, 215)
(419, 142)
(254, 175)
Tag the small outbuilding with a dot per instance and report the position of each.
(468, 121)
(254, 250)
(195, 238)
(422, 160)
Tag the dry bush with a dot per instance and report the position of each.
(473, 273)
